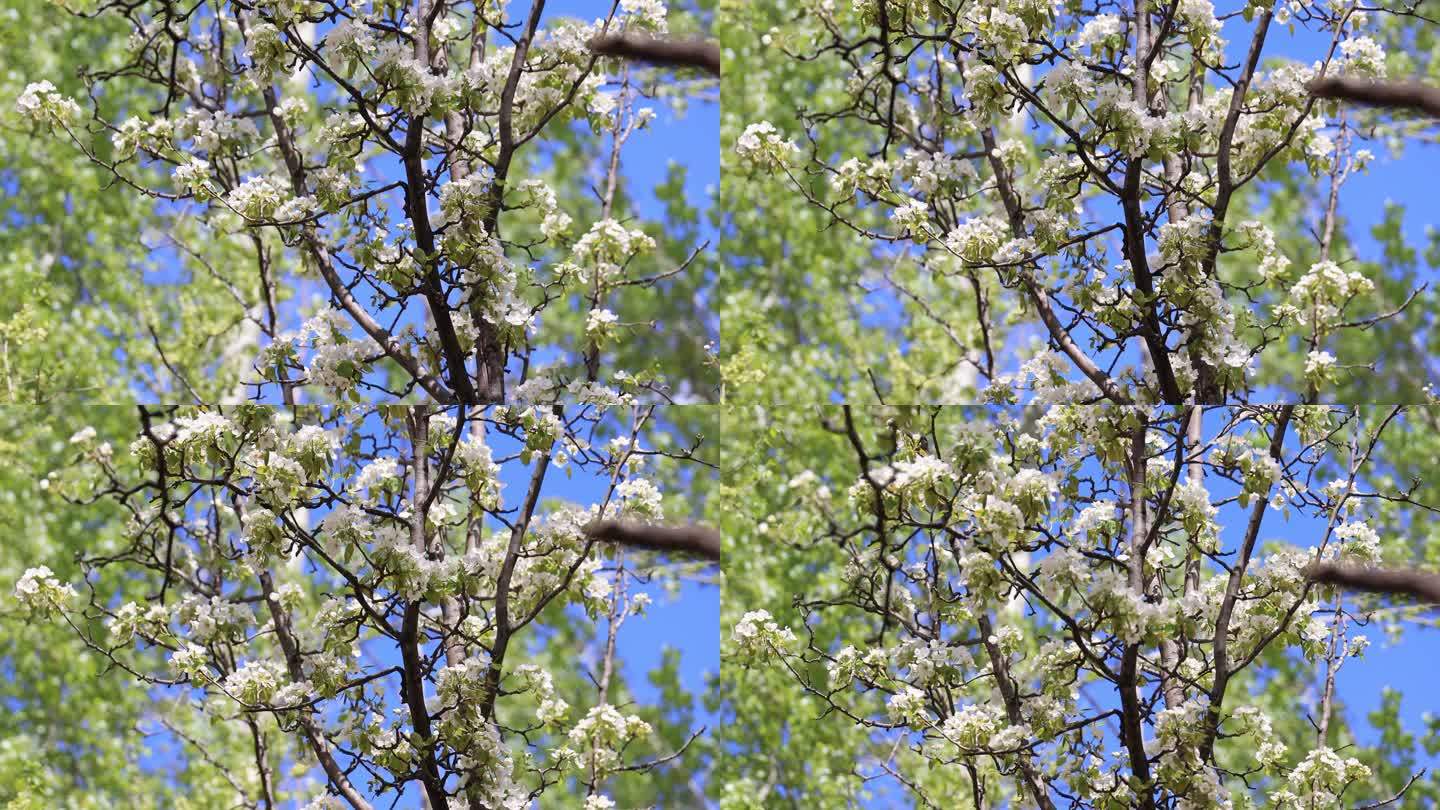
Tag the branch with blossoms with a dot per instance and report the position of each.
(1084, 167)
(359, 581)
(405, 182)
(1056, 604)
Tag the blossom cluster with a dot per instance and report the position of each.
(310, 187)
(1010, 137)
(999, 578)
(344, 537)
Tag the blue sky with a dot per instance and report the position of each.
(689, 620)
(692, 140)
(685, 135)
(691, 623)
(1406, 666)
(1406, 179)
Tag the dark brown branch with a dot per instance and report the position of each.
(696, 53)
(1417, 584)
(1373, 93)
(1393, 799)
(702, 541)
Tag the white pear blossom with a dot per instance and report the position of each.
(41, 102)
(757, 636)
(761, 145)
(40, 591)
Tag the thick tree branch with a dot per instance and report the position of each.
(702, 541)
(415, 669)
(1406, 95)
(1416, 584)
(417, 209)
(1221, 641)
(696, 53)
(503, 627)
